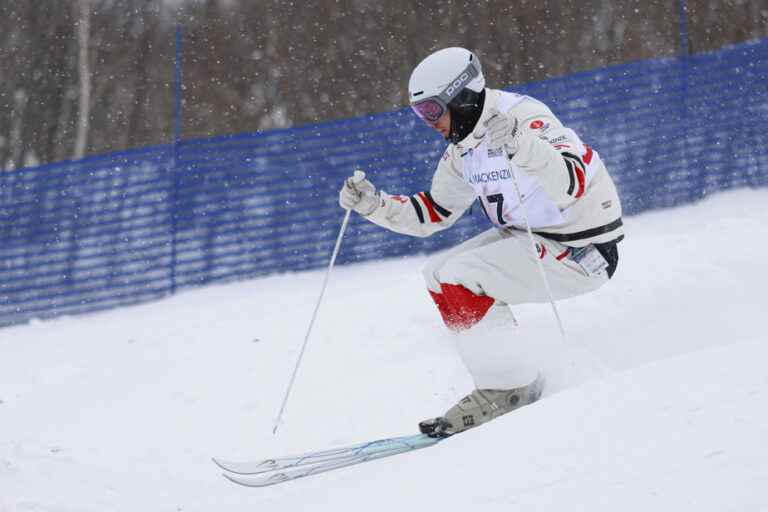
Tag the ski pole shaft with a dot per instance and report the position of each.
(535, 251)
(314, 316)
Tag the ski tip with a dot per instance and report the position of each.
(236, 480)
(256, 482)
(233, 480)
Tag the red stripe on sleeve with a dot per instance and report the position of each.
(433, 216)
(581, 179)
(588, 155)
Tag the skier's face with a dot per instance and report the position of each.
(443, 125)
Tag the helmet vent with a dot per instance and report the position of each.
(418, 93)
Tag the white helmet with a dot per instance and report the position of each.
(449, 80)
(440, 71)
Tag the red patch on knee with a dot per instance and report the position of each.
(445, 309)
(459, 307)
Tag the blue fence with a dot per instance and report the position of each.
(133, 226)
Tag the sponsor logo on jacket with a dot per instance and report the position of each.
(558, 140)
(540, 125)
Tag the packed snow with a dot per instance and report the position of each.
(657, 399)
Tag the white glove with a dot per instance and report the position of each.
(503, 133)
(358, 194)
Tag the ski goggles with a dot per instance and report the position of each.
(431, 109)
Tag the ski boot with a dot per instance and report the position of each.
(481, 406)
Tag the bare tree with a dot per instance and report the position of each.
(84, 73)
(85, 76)
(16, 143)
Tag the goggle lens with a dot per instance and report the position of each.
(429, 110)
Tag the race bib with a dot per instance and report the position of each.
(590, 260)
(493, 177)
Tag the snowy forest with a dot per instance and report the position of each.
(82, 77)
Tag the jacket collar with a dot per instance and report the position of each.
(491, 104)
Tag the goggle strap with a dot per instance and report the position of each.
(457, 85)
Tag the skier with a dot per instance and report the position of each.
(498, 141)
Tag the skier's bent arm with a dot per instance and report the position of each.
(421, 214)
(425, 213)
(551, 152)
(558, 167)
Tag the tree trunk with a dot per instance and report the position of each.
(83, 37)
(17, 124)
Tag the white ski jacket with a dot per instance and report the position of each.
(567, 192)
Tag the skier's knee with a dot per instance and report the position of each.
(430, 274)
(460, 308)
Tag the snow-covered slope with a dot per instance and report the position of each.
(660, 398)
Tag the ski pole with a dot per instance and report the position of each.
(312, 321)
(533, 246)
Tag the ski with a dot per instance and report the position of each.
(333, 454)
(262, 473)
(283, 469)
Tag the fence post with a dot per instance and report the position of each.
(683, 29)
(175, 171)
(690, 167)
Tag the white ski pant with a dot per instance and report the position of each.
(471, 282)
